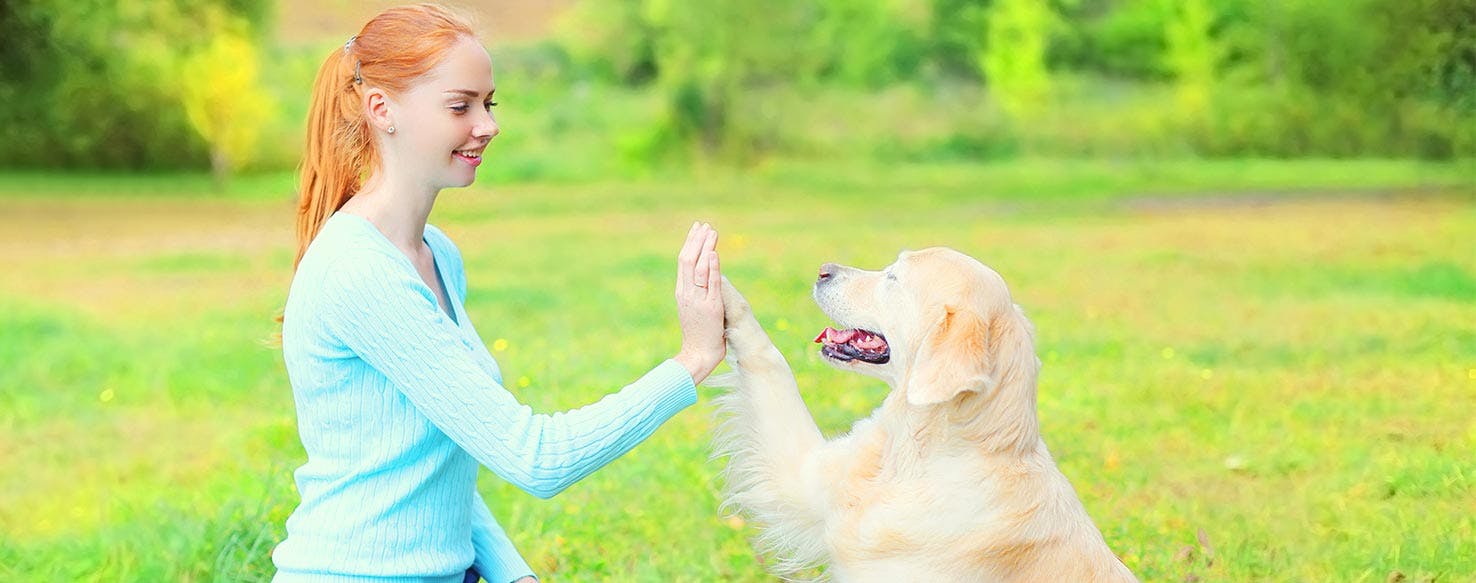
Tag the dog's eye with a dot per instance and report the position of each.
(891, 276)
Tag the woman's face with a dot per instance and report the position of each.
(444, 122)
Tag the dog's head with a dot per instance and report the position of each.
(936, 324)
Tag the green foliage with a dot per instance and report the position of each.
(615, 40)
(869, 44)
(224, 99)
(955, 38)
(97, 83)
(711, 55)
(1122, 39)
(1191, 54)
(1314, 77)
(1014, 58)
(104, 83)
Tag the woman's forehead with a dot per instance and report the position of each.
(467, 66)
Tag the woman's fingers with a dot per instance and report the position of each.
(699, 301)
(714, 276)
(688, 256)
(699, 274)
(709, 242)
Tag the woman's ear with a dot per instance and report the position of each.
(377, 109)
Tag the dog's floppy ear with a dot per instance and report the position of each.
(951, 358)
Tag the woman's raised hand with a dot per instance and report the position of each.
(700, 302)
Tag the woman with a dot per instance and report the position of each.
(397, 398)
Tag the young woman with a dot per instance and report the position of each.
(398, 400)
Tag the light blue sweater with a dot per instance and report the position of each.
(397, 403)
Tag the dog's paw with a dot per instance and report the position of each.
(735, 307)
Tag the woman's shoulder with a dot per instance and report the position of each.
(342, 266)
(346, 242)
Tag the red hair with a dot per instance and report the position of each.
(392, 50)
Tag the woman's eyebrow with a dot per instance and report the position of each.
(468, 92)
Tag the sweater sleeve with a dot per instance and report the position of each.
(497, 559)
(377, 305)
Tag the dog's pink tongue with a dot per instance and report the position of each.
(835, 336)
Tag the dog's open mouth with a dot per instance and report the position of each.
(854, 344)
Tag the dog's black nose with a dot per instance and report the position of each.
(827, 271)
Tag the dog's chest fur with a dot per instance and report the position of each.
(889, 484)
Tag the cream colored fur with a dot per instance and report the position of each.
(948, 480)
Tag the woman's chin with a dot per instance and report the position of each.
(461, 181)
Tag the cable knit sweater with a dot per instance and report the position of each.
(397, 403)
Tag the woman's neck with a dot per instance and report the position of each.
(398, 208)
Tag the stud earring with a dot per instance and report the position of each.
(392, 129)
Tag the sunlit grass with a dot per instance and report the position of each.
(1295, 380)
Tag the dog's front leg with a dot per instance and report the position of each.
(770, 440)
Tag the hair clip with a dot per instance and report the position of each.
(358, 78)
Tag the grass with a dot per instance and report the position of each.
(1244, 381)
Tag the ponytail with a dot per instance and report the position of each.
(338, 148)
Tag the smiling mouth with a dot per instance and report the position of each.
(854, 344)
(473, 157)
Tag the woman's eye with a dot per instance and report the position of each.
(459, 108)
(489, 105)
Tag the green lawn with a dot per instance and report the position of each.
(1254, 371)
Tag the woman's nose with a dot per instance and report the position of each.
(487, 129)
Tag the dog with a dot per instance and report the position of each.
(948, 480)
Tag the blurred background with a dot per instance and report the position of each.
(1243, 229)
(197, 84)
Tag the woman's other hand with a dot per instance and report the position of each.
(700, 302)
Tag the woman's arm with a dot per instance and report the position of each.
(496, 558)
(378, 306)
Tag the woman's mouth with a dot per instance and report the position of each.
(470, 157)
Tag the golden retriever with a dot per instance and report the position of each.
(948, 480)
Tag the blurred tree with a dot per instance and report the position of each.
(1349, 77)
(1014, 58)
(1191, 54)
(224, 100)
(1124, 39)
(956, 42)
(1248, 77)
(705, 58)
(870, 43)
(711, 55)
(613, 39)
(95, 83)
(1428, 63)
